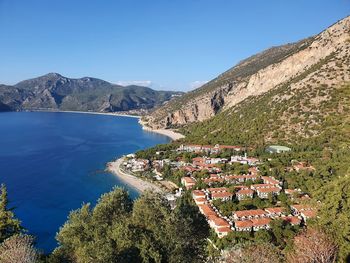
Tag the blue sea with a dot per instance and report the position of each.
(51, 163)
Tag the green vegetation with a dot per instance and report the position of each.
(119, 230)
(53, 91)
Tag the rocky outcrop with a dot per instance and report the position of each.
(252, 77)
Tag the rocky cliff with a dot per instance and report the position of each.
(254, 76)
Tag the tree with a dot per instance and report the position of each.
(147, 230)
(313, 245)
(18, 249)
(9, 224)
(254, 253)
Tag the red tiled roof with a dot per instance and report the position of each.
(309, 214)
(189, 180)
(261, 221)
(275, 210)
(256, 186)
(224, 230)
(270, 180)
(294, 220)
(219, 222)
(221, 194)
(217, 189)
(243, 224)
(269, 190)
(207, 210)
(198, 193)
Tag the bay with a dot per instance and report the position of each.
(52, 163)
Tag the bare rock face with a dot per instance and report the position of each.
(252, 77)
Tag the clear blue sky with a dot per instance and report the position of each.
(170, 43)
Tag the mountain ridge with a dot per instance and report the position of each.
(53, 91)
(251, 77)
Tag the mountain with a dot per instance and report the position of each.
(298, 65)
(55, 92)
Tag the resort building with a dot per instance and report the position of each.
(249, 214)
(243, 194)
(188, 182)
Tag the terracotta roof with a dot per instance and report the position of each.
(200, 199)
(223, 229)
(198, 193)
(270, 180)
(243, 224)
(255, 212)
(309, 214)
(217, 189)
(269, 190)
(207, 210)
(221, 194)
(294, 220)
(275, 210)
(229, 147)
(261, 221)
(219, 222)
(256, 186)
(189, 180)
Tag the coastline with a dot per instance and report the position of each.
(169, 133)
(91, 112)
(135, 182)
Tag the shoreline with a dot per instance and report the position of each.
(133, 181)
(89, 112)
(169, 133)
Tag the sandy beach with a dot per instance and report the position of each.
(139, 184)
(170, 133)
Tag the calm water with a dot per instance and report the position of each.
(53, 162)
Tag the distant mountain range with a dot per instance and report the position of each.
(55, 92)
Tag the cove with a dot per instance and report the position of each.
(52, 162)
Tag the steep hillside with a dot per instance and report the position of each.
(252, 77)
(53, 91)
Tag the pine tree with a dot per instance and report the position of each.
(9, 224)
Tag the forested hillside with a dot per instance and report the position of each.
(55, 92)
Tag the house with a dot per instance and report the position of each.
(212, 180)
(198, 194)
(217, 189)
(249, 214)
(297, 209)
(258, 186)
(243, 194)
(188, 182)
(261, 223)
(223, 196)
(190, 148)
(244, 225)
(264, 193)
(274, 212)
(308, 214)
(270, 180)
(206, 210)
(220, 226)
(199, 197)
(293, 220)
(303, 166)
(223, 231)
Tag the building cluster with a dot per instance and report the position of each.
(237, 187)
(137, 165)
(245, 220)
